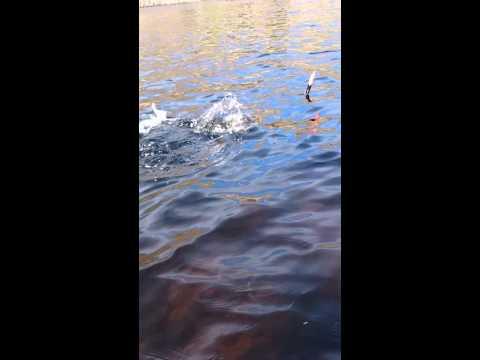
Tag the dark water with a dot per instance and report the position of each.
(240, 195)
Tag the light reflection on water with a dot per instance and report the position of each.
(240, 235)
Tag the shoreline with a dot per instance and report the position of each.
(151, 3)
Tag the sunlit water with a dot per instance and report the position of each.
(240, 180)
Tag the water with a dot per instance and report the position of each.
(240, 181)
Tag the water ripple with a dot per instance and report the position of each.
(239, 233)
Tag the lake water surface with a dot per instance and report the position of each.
(240, 185)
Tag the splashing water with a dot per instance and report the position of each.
(176, 146)
(155, 120)
(223, 117)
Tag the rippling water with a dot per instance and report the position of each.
(240, 181)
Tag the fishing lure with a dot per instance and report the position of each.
(309, 86)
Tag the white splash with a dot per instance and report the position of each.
(159, 116)
(223, 117)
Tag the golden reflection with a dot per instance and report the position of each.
(330, 245)
(330, 145)
(190, 182)
(305, 127)
(155, 206)
(179, 186)
(144, 105)
(187, 235)
(245, 199)
(147, 259)
(206, 185)
(219, 43)
(180, 239)
(152, 195)
(186, 183)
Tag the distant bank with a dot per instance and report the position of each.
(146, 3)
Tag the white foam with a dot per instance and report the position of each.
(155, 120)
(224, 116)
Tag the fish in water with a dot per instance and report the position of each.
(224, 116)
(309, 86)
